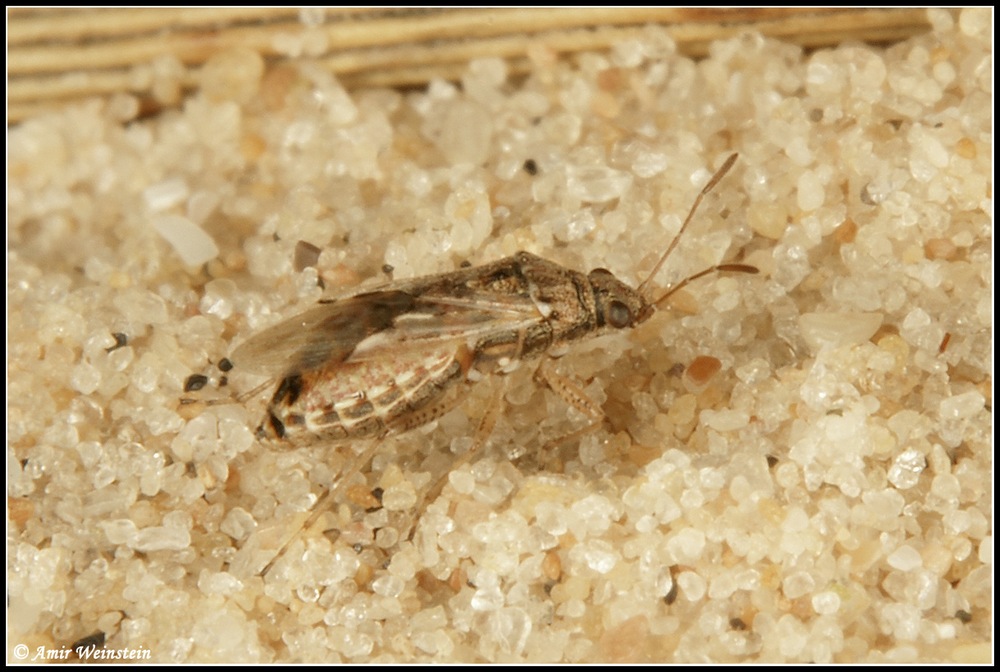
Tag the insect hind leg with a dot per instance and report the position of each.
(310, 524)
(483, 432)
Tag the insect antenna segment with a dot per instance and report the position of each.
(644, 287)
(729, 268)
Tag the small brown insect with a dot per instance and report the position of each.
(389, 360)
(392, 359)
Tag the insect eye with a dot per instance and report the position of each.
(619, 316)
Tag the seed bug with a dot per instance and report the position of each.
(389, 360)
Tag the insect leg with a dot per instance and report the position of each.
(572, 393)
(425, 415)
(359, 464)
(483, 432)
(322, 506)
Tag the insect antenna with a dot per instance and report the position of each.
(734, 268)
(719, 174)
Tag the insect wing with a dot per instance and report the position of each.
(380, 324)
(324, 334)
(435, 321)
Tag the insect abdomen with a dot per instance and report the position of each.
(362, 399)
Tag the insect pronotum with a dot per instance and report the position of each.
(391, 359)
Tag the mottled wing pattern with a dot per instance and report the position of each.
(435, 321)
(379, 324)
(327, 332)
